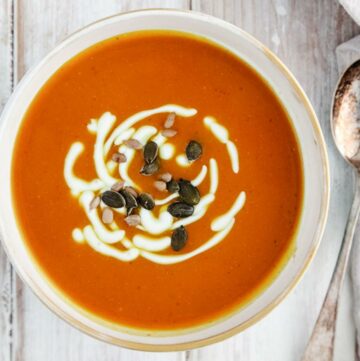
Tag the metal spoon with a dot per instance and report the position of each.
(345, 125)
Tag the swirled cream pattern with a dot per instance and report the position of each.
(152, 238)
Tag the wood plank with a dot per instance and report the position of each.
(304, 35)
(40, 335)
(7, 81)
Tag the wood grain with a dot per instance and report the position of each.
(7, 82)
(304, 34)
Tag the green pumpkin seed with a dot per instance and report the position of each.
(150, 151)
(130, 200)
(172, 186)
(179, 238)
(193, 150)
(180, 210)
(113, 199)
(150, 169)
(146, 201)
(188, 193)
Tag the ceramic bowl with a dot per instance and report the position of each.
(305, 124)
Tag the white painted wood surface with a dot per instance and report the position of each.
(304, 34)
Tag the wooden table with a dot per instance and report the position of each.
(304, 34)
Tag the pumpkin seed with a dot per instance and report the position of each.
(95, 203)
(149, 169)
(130, 200)
(179, 238)
(133, 144)
(193, 150)
(168, 133)
(180, 210)
(113, 199)
(188, 193)
(131, 190)
(170, 120)
(133, 220)
(160, 186)
(146, 201)
(107, 215)
(166, 177)
(119, 157)
(117, 186)
(172, 186)
(150, 151)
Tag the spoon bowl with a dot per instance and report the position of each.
(345, 120)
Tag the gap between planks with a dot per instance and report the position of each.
(8, 293)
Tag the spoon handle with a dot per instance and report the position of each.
(321, 344)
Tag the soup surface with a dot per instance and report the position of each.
(165, 270)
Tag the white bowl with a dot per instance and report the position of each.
(313, 152)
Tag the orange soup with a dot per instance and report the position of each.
(157, 181)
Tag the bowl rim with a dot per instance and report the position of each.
(324, 208)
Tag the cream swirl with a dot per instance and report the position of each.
(152, 238)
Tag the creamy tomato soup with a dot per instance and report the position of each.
(157, 181)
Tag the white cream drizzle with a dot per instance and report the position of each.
(155, 225)
(99, 246)
(92, 126)
(127, 134)
(221, 222)
(151, 245)
(166, 151)
(129, 122)
(234, 157)
(159, 139)
(182, 161)
(200, 177)
(105, 123)
(111, 240)
(76, 184)
(78, 235)
(111, 166)
(167, 259)
(161, 202)
(222, 134)
(214, 176)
